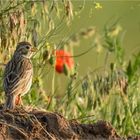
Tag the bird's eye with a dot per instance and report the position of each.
(27, 47)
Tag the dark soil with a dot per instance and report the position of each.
(41, 125)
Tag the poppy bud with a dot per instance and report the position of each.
(51, 60)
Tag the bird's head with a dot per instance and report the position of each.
(25, 49)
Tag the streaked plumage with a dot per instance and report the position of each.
(18, 75)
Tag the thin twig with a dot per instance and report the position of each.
(4, 123)
(2, 64)
(44, 129)
(5, 11)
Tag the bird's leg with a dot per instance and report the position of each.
(18, 100)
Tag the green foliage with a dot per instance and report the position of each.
(111, 94)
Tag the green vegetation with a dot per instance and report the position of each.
(110, 92)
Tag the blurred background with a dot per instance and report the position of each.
(126, 12)
(88, 13)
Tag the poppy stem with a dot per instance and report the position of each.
(53, 78)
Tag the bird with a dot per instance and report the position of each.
(18, 75)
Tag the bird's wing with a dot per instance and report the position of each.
(16, 74)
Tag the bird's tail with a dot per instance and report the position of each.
(10, 102)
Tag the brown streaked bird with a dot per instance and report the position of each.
(18, 75)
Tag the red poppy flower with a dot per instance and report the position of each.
(63, 59)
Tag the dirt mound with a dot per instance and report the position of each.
(40, 125)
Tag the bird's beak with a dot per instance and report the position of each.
(34, 49)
